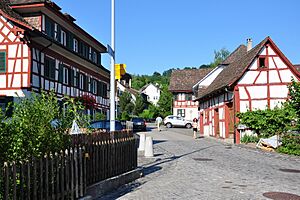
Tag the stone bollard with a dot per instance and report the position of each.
(142, 142)
(149, 147)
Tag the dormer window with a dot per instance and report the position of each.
(262, 62)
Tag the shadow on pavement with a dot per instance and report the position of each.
(158, 141)
(151, 168)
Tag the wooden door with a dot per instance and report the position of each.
(231, 119)
(216, 123)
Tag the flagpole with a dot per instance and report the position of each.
(112, 69)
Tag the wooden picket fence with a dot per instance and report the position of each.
(67, 174)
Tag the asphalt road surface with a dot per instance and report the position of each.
(205, 168)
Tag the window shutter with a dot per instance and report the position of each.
(52, 69)
(71, 77)
(60, 73)
(2, 62)
(47, 67)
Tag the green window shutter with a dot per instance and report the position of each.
(47, 68)
(60, 73)
(2, 62)
(52, 69)
(71, 77)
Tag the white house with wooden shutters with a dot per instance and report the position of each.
(152, 92)
(43, 49)
(181, 82)
(255, 78)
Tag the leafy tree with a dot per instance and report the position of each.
(165, 102)
(150, 113)
(220, 56)
(126, 106)
(38, 126)
(294, 101)
(139, 105)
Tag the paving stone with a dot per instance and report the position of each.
(184, 168)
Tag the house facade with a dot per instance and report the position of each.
(255, 79)
(152, 92)
(181, 82)
(42, 49)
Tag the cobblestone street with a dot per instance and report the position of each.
(183, 168)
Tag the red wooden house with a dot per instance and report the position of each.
(256, 79)
(43, 49)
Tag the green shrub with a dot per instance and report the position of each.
(38, 126)
(290, 144)
(249, 139)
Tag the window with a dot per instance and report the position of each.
(66, 75)
(49, 68)
(94, 57)
(181, 112)
(49, 27)
(75, 45)
(262, 62)
(70, 40)
(90, 53)
(104, 90)
(81, 81)
(188, 97)
(2, 62)
(73, 78)
(99, 88)
(63, 38)
(57, 33)
(93, 86)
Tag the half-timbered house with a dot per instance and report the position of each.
(181, 83)
(43, 49)
(256, 79)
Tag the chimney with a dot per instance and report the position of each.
(249, 44)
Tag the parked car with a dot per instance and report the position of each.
(138, 124)
(176, 121)
(105, 124)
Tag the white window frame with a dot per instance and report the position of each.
(63, 38)
(75, 45)
(94, 57)
(81, 81)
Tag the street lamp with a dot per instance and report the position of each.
(112, 68)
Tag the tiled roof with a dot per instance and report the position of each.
(235, 55)
(12, 15)
(184, 80)
(15, 2)
(297, 67)
(233, 71)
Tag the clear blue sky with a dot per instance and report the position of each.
(156, 35)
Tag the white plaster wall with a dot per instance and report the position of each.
(151, 91)
(242, 93)
(286, 75)
(262, 78)
(244, 106)
(259, 104)
(276, 103)
(253, 65)
(271, 51)
(280, 64)
(273, 76)
(278, 91)
(248, 77)
(257, 91)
